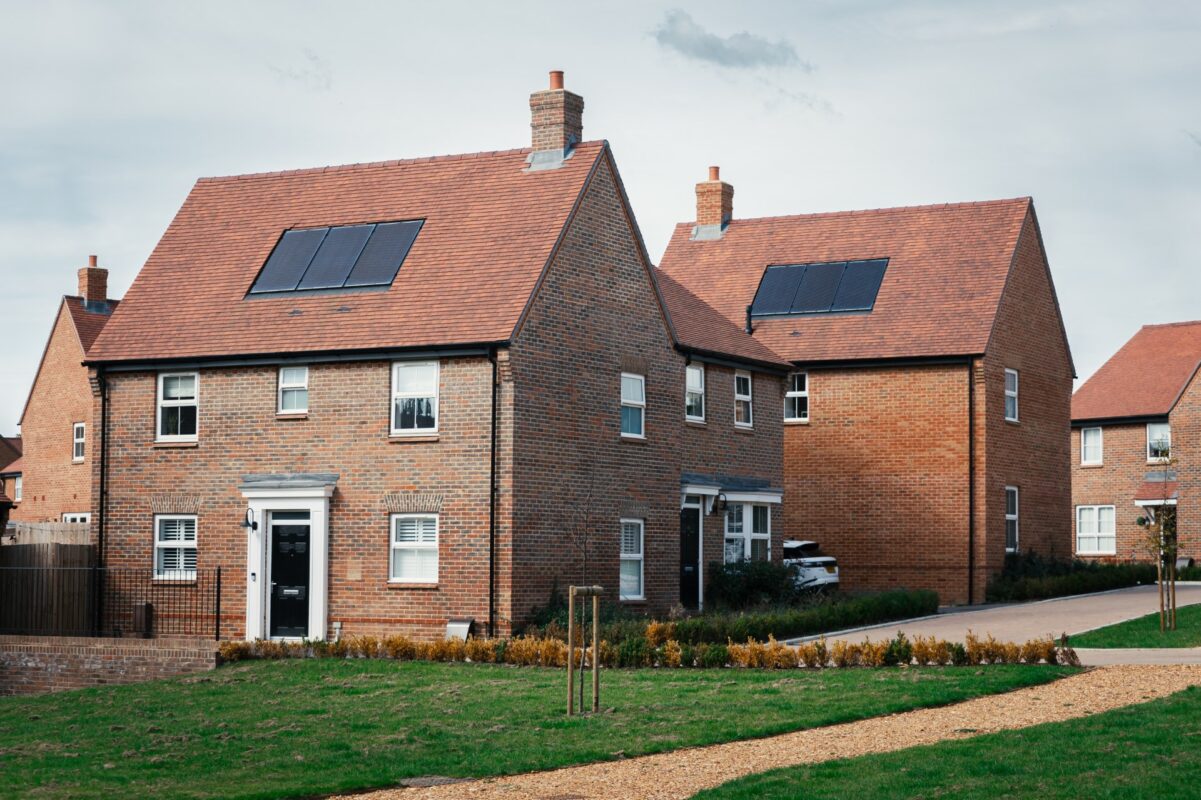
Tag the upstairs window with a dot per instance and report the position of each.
(1011, 395)
(77, 446)
(293, 390)
(633, 406)
(632, 560)
(694, 392)
(1091, 451)
(1011, 519)
(175, 547)
(1159, 441)
(796, 399)
(17, 489)
(414, 548)
(743, 411)
(177, 406)
(414, 398)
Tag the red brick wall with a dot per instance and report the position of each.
(61, 396)
(35, 664)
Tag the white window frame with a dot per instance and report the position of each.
(78, 442)
(160, 404)
(393, 546)
(795, 394)
(641, 405)
(17, 488)
(291, 387)
(748, 533)
(82, 517)
(1096, 532)
(1159, 459)
(748, 398)
(1084, 459)
(640, 556)
(1015, 518)
(1014, 394)
(698, 369)
(397, 366)
(175, 574)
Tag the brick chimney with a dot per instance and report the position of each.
(93, 282)
(556, 123)
(714, 206)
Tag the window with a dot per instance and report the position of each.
(414, 398)
(77, 436)
(293, 390)
(1090, 446)
(796, 399)
(414, 548)
(1095, 531)
(1159, 441)
(177, 406)
(1011, 395)
(633, 405)
(77, 518)
(694, 392)
(743, 412)
(1011, 519)
(17, 489)
(748, 532)
(175, 547)
(631, 559)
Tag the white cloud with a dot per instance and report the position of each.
(680, 32)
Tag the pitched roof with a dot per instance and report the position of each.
(947, 267)
(701, 328)
(88, 322)
(1158, 490)
(12, 468)
(10, 450)
(1145, 377)
(490, 228)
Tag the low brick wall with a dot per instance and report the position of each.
(36, 664)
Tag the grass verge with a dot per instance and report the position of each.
(1144, 632)
(1144, 751)
(288, 728)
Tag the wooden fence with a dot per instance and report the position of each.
(47, 588)
(23, 533)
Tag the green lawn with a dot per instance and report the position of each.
(1146, 751)
(1144, 632)
(288, 728)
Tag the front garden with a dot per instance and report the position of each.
(1145, 632)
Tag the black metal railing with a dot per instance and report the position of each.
(109, 601)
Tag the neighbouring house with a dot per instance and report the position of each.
(56, 425)
(10, 476)
(927, 414)
(387, 396)
(1136, 425)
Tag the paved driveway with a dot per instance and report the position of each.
(1024, 621)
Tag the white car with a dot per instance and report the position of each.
(814, 569)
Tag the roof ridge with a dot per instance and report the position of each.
(396, 162)
(1025, 199)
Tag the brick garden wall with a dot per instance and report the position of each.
(34, 665)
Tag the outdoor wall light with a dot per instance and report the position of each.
(721, 502)
(249, 524)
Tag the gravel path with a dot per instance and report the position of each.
(682, 773)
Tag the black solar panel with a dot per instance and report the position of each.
(860, 285)
(336, 257)
(816, 292)
(777, 289)
(289, 260)
(384, 253)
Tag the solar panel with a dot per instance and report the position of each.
(817, 289)
(384, 253)
(289, 260)
(860, 285)
(336, 257)
(777, 289)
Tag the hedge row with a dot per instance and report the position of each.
(1079, 578)
(670, 653)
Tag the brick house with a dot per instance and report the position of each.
(10, 472)
(56, 424)
(926, 419)
(1136, 424)
(384, 396)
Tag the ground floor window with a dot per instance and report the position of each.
(748, 532)
(1011, 519)
(175, 547)
(1095, 535)
(414, 548)
(79, 517)
(632, 573)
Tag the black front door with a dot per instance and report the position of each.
(690, 556)
(290, 573)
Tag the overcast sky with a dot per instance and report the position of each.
(111, 111)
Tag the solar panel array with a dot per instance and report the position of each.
(819, 288)
(341, 257)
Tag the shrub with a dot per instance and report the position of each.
(746, 584)
(673, 654)
(658, 633)
(1029, 576)
(634, 652)
(711, 656)
(899, 651)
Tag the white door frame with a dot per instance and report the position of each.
(262, 502)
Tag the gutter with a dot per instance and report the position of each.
(492, 504)
(314, 357)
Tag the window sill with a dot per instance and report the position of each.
(695, 423)
(632, 600)
(413, 437)
(1159, 462)
(171, 445)
(77, 461)
(1012, 421)
(390, 585)
(1091, 466)
(744, 429)
(1097, 555)
(796, 422)
(174, 581)
(291, 415)
(633, 439)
